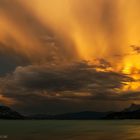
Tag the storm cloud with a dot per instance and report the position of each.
(70, 54)
(74, 82)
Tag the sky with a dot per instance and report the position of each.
(69, 55)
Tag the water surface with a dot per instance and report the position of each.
(70, 130)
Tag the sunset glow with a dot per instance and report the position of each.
(62, 37)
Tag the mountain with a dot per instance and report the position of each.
(132, 112)
(86, 115)
(132, 107)
(40, 117)
(8, 113)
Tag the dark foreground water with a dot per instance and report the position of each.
(70, 130)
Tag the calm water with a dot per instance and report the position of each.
(70, 130)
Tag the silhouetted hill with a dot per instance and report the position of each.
(132, 107)
(8, 113)
(86, 115)
(40, 116)
(132, 112)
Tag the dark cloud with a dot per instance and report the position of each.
(134, 96)
(71, 77)
(45, 78)
(75, 82)
(10, 59)
(136, 48)
(122, 55)
(103, 64)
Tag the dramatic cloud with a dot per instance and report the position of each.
(69, 54)
(74, 82)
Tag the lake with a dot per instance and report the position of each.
(70, 130)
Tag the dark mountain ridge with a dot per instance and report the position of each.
(85, 115)
(132, 112)
(8, 113)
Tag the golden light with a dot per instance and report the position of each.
(96, 29)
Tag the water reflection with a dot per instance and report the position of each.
(71, 130)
